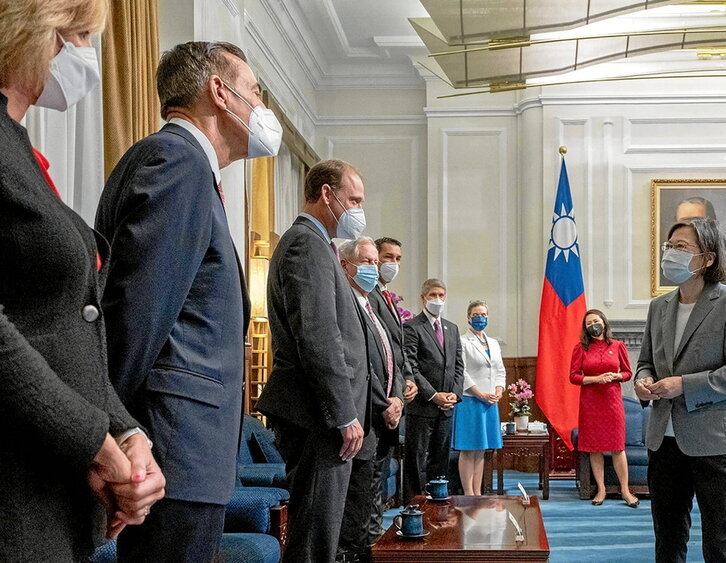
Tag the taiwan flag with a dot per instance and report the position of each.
(560, 317)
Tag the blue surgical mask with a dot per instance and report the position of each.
(675, 265)
(366, 277)
(479, 322)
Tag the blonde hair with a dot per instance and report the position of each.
(28, 34)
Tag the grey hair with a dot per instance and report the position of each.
(349, 249)
(476, 303)
(431, 283)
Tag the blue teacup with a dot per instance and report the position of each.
(410, 521)
(438, 488)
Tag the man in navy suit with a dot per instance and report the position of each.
(176, 304)
(433, 348)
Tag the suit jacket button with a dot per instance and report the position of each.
(90, 313)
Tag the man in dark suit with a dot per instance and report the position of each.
(359, 260)
(433, 348)
(318, 395)
(176, 303)
(389, 260)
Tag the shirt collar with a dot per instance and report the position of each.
(362, 299)
(319, 225)
(204, 142)
(430, 317)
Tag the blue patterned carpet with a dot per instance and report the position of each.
(579, 532)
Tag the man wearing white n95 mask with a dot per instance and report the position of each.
(176, 304)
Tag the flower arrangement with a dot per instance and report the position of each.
(406, 315)
(520, 392)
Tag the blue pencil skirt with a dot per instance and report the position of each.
(475, 425)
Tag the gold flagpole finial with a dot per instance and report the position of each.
(563, 150)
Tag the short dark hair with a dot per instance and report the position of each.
(325, 172)
(185, 69)
(387, 240)
(710, 241)
(585, 338)
(698, 200)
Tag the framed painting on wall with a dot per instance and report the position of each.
(672, 201)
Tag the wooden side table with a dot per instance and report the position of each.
(525, 444)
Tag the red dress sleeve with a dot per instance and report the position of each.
(625, 369)
(576, 374)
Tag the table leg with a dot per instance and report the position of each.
(486, 486)
(500, 473)
(546, 456)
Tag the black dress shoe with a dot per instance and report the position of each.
(633, 504)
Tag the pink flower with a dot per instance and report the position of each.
(406, 315)
(520, 392)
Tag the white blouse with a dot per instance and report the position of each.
(480, 369)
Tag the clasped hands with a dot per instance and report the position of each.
(491, 398)
(392, 415)
(127, 480)
(445, 401)
(667, 388)
(608, 377)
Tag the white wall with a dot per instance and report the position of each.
(495, 157)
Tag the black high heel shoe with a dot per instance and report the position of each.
(597, 502)
(633, 504)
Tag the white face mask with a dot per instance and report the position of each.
(351, 223)
(264, 131)
(389, 271)
(435, 306)
(73, 74)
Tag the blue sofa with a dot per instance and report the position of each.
(636, 424)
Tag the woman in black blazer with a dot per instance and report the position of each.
(61, 419)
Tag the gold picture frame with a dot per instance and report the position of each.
(668, 199)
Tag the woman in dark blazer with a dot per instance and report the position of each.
(682, 370)
(60, 417)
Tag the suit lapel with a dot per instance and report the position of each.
(429, 329)
(475, 341)
(701, 310)
(668, 322)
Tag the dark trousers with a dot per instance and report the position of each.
(318, 482)
(426, 457)
(673, 477)
(176, 531)
(357, 514)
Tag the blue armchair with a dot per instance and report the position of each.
(252, 518)
(258, 461)
(636, 424)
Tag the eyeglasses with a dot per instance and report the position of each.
(682, 246)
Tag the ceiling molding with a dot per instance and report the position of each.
(399, 41)
(291, 24)
(343, 37)
(232, 7)
(373, 120)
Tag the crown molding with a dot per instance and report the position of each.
(301, 41)
(373, 120)
(232, 7)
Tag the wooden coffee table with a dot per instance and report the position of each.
(470, 529)
(524, 444)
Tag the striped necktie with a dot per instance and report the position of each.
(386, 347)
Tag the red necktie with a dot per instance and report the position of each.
(387, 296)
(439, 332)
(220, 191)
(386, 347)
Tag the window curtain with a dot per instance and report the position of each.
(288, 189)
(130, 58)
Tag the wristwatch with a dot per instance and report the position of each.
(132, 432)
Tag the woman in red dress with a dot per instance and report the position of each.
(599, 364)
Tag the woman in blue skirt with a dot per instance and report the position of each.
(476, 426)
